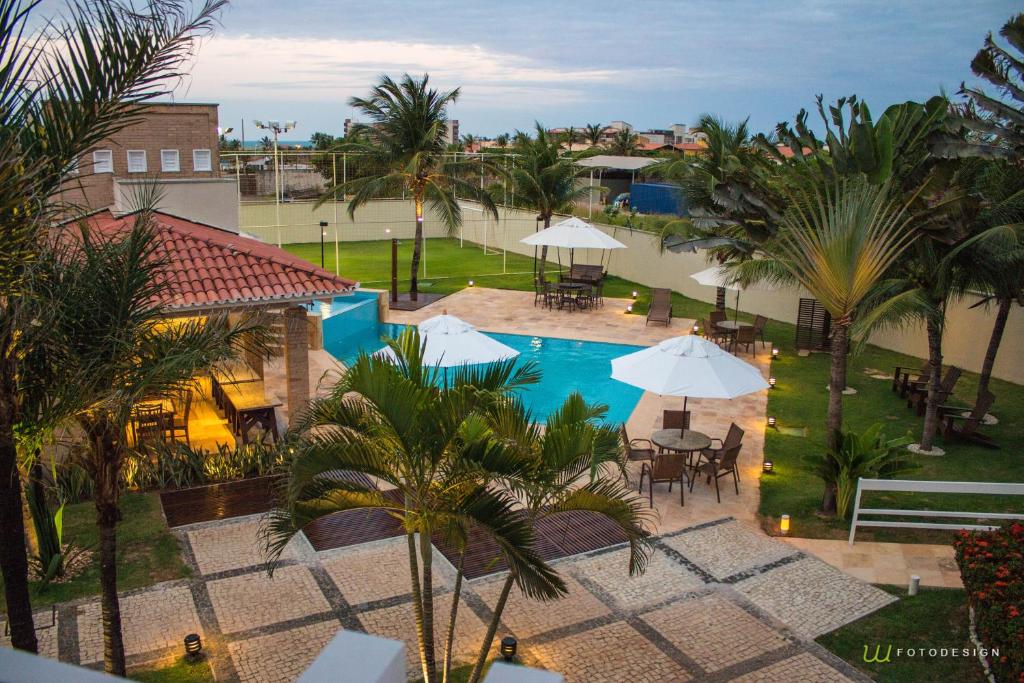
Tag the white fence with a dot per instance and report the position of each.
(912, 486)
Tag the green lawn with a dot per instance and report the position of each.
(181, 671)
(935, 618)
(798, 401)
(147, 551)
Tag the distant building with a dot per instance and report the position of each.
(175, 147)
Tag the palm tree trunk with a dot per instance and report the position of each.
(1002, 313)
(449, 641)
(931, 415)
(417, 604)
(834, 422)
(107, 449)
(417, 249)
(492, 628)
(543, 251)
(13, 555)
(427, 560)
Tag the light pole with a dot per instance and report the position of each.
(276, 127)
(323, 234)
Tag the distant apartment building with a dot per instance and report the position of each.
(173, 147)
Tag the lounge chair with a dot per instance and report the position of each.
(965, 427)
(918, 396)
(661, 307)
(902, 378)
(664, 468)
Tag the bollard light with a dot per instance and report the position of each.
(508, 648)
(768, 467)
(696, 328)
(635, 294)
(629, 308)
(915, 584)
(193, 645)
(471, 283)
(771, 382)
(771, 420)
(775, 352)
(784, 524)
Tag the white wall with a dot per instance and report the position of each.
(213, 201)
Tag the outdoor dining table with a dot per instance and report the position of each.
(224, 374)
(573, 290)
(246, 405)
(681, 441)
(731, 327)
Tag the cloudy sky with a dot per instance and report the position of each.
(564, 62)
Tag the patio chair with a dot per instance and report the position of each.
(634, 450)
(747, 336)
(148, 425)
(759, 324)
(965, 427)
(902, 378)
(664, 468)
(178, 422)
(661, 307)
(712, 332)
(717, 316)
(543, 292)
(918, 396)
(721, 466)
(734, 437)
(675, 419)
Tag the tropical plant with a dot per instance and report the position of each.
(868, 455)
(570, 136)
(397, 422)
(624, 143)
(574, 464)
(502, 140)
(545, 180)
(67, 82)
(592, 133)
(406, 147)
(266, 144)
(106, 290)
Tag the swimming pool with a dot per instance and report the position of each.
(351, 325)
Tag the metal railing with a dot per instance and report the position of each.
(912, 486)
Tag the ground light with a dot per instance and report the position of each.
(768, 467)
(629, 308)
(193, 645)
(784, 524)
(635, 293)
(471, 283)
(696, 328)
(771, 382)
(775, 352)
(508, 648)
(771, 421)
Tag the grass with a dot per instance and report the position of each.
(799, 400)
(147, 552)
(181, 671)
(935, 618)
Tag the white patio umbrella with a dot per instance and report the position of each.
(450, 342)
(689, 366)
(572, 234)
(719, 276)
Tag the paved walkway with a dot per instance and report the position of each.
(887, 562)
(720, 601)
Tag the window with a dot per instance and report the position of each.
(202, 160)
(169, 161)
(103, 161)
(136, 161)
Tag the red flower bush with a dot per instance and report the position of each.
(992, 568)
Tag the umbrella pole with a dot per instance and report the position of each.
(736, 313)
(682, 432)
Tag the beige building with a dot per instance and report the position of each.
(173, 146)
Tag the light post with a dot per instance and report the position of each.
(323, 234)
(276, 127)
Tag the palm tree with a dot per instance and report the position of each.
(119, 351)
(571, 135)
(400, 424)
(407, 147)
(592, 133)
(567, 457)
(624, 143)
(502, 140)
(839, 241)
(468, 142)
(545, 180)
(55, 104)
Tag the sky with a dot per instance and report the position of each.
(563, 62)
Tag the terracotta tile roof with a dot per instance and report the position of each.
(208, 267)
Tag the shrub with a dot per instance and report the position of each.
(992, 568)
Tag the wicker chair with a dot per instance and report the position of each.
(759, 324)
(664, 468)
(747, 336)
(634, 450)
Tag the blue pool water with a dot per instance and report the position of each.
(351, 325)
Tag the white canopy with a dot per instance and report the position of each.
(450, 342)
(717, 276)
(688, 366)
(573, 233)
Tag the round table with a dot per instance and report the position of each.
(732, 325)
(576, 288)
(680, 441)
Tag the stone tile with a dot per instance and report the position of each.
(528, 618)
(398, 623)
(280, 656)
(664, 578)
(729, 548)
(804, 667)
(380, 570)
(608, 654)
(251, 600)
(812, 597)
(231, 546)
(714, 632)
(151, 620)
(46, 635)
